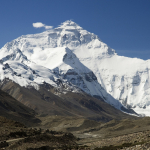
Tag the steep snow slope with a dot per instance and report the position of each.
(16, 67)
(19, 69)
(65, 70)
(126, 79)
(80, 58)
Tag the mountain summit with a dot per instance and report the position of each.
(80, 61)
(70, 24)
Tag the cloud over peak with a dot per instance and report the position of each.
(40, 25)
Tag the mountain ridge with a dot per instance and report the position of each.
(50, 101)
(123, 81)
(13, 109)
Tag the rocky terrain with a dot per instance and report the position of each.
(134, 141)
(13, 109)
(14, 135)
(45, 102)
(75, 133)
(70, 131)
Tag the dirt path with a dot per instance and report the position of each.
(14, 140)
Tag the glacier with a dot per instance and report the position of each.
(80, 61)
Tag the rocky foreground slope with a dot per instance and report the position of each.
(77, 60)
(45, 102)
(14, 110)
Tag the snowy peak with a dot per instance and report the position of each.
(17, 55)
(69, 24)
(69, 34)
(62, 58)
(69, 56)
(70, 59)
(72, 35)
(79, 59)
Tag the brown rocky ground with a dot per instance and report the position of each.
(15, 110)
(130, 133)
(129, 141)
(101, 126)
(46, 103)
(46, 141)
(85, 134)
(16, 136)
(124, 134)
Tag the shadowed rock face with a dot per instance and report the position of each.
(13, 109)
(90, 76)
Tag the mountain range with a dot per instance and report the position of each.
(60, 64)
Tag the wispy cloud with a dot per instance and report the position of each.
(48, 27)
(40, 25)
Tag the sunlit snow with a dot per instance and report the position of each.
(79, 57)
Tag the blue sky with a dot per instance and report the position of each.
(122, 24)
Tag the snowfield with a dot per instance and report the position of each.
(82, 62)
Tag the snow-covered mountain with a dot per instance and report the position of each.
(73, 59)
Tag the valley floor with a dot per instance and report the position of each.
(57, 132)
